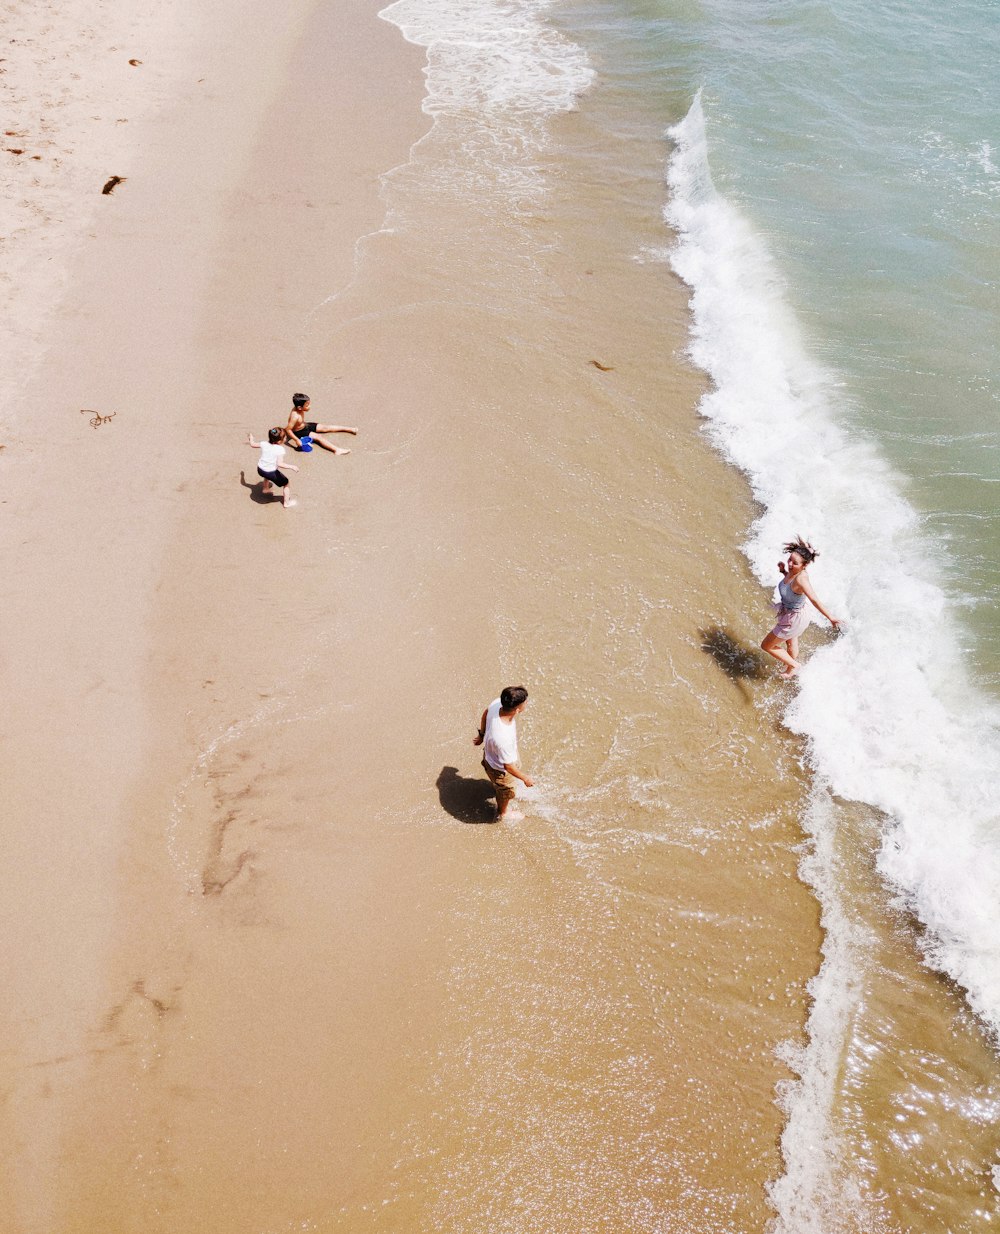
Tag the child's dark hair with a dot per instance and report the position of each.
(274, 435)
(804, 549)
(300, 400)
(512, 696)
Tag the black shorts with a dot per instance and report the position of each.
(306, 430)
(274, 476)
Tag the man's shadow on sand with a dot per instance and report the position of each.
(470, 801)
(257, 493)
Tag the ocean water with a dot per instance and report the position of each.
(836, 198)
(831, 199)
(841, 306)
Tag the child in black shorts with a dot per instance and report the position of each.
(272, 456)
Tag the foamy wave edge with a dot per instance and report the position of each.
(492, 56)
(889, 712)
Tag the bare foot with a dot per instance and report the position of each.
(340, 450)
(791, 670)
(512, 816)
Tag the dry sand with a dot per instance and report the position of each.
(259, 975)
(169, 307)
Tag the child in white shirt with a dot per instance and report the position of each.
(272, 456)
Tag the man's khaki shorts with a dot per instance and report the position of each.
(502, 781)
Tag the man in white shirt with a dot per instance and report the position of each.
(497, 734)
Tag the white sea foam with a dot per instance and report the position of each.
(496, 73)
(814, 1196)
(492, 56)
(891, 716)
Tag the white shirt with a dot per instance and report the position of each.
(500, 741)
(271, 456)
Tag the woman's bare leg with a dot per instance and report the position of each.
(776, 647)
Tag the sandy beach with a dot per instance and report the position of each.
(269, 965)
(172, 328)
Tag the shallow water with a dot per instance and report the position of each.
(813, 312)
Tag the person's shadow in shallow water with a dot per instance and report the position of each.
(257, 493)
(739, 662)
(470, 801)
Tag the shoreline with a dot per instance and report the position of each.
(251, 907)
(261, 960)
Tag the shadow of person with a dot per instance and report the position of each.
(738, 661)
(257, 493)
(470, 801)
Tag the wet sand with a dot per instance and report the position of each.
(269, 964)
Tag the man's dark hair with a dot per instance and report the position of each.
(512, 696)
(274, 435)
(300, 400)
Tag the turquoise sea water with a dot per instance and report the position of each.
(834, 192)
(882, 192)
(834, 188)
(862, 143)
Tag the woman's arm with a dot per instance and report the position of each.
(808, 591)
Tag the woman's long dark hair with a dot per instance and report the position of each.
(804, 549)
